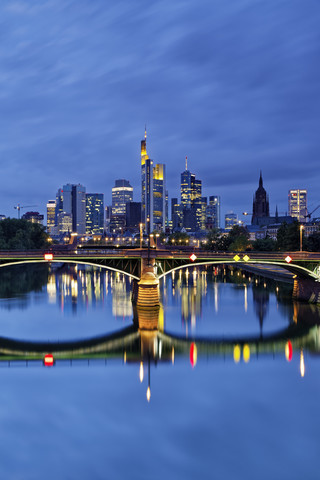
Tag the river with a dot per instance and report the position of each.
(232, 371)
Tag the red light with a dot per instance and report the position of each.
(48, 256)
(288, 351)
(48, 360)
(193, 257)
(193, 354)
(288, 259)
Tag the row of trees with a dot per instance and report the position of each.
(22, 235)
(288, 239)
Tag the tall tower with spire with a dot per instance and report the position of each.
(191, 200)
(146, 186)
(260, 207)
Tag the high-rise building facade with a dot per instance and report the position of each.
(159, 197)
(71, 203)
(213, 211)
(297, 204)
(191, 203)
(146, 187)
(231, 219)
(122, 193)
(94, 214)
(51, 217)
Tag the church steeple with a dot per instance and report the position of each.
(260, 180)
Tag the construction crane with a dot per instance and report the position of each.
(18, 207)
(309, 214)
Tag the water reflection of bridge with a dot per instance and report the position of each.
(144, 340)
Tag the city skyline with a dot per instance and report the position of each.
(234, 87)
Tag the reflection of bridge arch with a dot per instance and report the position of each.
(297, 270)
(138, 343)
(69, 261)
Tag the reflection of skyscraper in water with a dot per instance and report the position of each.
(192, 291)
(75, 287)
(121, 296)
(261, 303)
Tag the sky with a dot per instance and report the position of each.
(234, 85)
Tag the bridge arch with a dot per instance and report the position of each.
(76, 262)
(297, 270)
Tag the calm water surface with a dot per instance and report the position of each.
(209, 416)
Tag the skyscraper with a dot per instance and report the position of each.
(159, 197)
(51, 217)
(230, 220)
(94, 214)
(297, 204)
(122, 193)
(71, 203)
(146, 186)
(213, 211)
(191, 200)
(260, 207)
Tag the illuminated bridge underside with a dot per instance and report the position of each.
(130, 339)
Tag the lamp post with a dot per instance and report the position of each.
(141, 226)
(301, 229)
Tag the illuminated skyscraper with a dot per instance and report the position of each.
(122, 193)
(94, 214)
(191, 200)
(71, 202)
(297, 204)
(51, 217)
(146, 186)
(213, 211)
(159, 197)
(231, 219)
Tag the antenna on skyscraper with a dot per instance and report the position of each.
(186, 163)
(145, 132)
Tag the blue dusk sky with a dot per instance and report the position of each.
(234, 85)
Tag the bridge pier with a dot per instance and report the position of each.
(145, 293)
(306, 290)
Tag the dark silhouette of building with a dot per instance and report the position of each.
(260, 208)
(133, 215)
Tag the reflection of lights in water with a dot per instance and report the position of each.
(288, 351)
(187, 272)
(52, 289)
(216, 297)
(194, 273)
(74, 288)
(236, 353)
(231, 273)
(125, 357)
(160, 348)
(148, 394)
(265, 285)
(193, 354)
(173, 275)
(246, 353)
(277, 289)
(141, 372)
(302, 366)
(172, 355)
(245, 298)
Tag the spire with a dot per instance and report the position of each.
(145, 132)
(277, 215)
(260, 180)
(186, 163)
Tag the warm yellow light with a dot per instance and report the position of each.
(302, 366)
(141, 372)
(236, 353)
(172, 355)
(246, 258)
(246, 353)
(125, 357)
(148, 394)
(236, 258)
